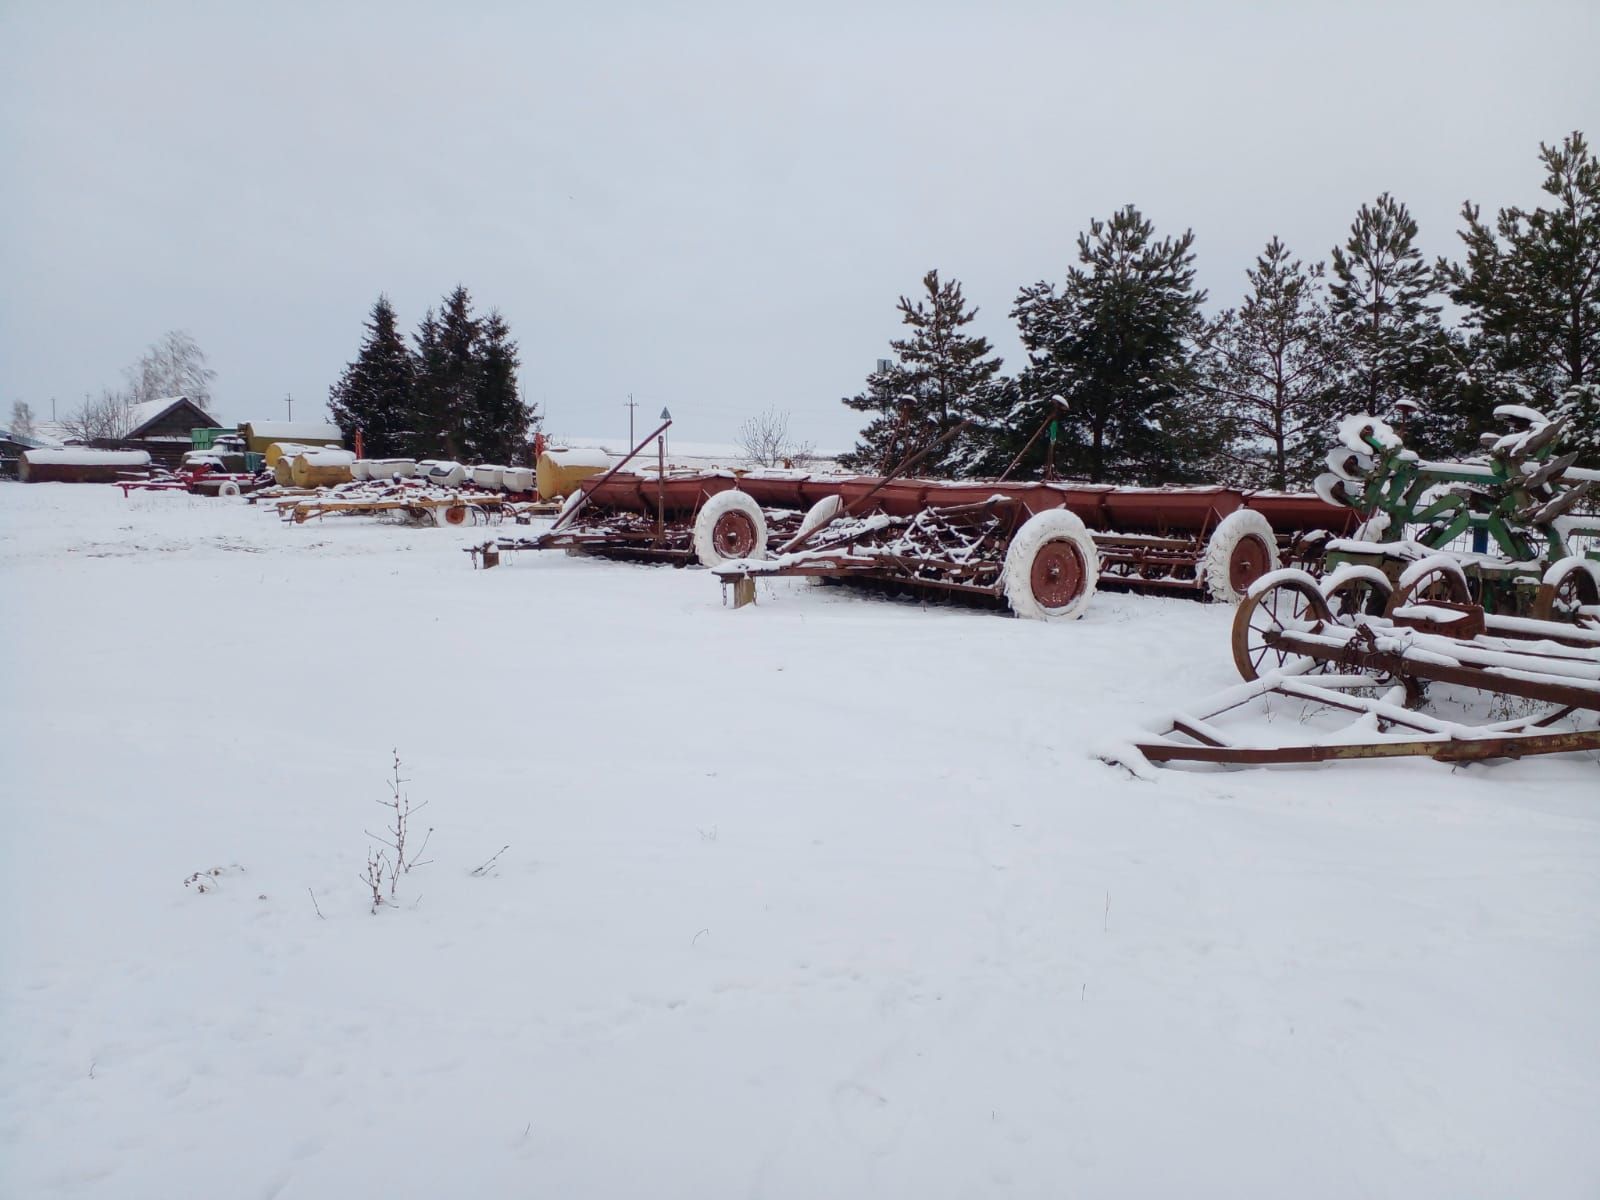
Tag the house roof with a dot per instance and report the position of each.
(28, 440)
(147, 412)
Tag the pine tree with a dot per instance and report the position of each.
(1272, 367)
(497, 430)
(1531, 288)
(1115, 346)
(466, 403)
(373, 394)
(1383, 313)
(425, 424)
(940, 377)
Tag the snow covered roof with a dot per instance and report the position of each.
(50, 433)
(295, 431)
(30, 440)
(147, 412)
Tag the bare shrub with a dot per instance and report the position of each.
(766, 442)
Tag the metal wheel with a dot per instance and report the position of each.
(1057, 574)
(1435, 580)
(1570, 592)
(457, 514)
(1051, 567)
(734, 534)
(1357, 592)
(1291, 603)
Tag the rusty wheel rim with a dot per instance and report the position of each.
(456, 514)
(1357, 598)
(734, 535)
(1436, 584)
(1290, 606)
(1249, 561)
(1057, 575)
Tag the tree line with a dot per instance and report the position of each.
(451, 392)
(1127, 379)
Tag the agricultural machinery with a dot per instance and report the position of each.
(1519, 508)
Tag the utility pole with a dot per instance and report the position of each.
(630, 407)
(289, 400)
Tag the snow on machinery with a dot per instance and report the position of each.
(658, 515)
(1292, 641)
(1040, 547)
(1521, 506)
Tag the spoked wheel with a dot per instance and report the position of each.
(1436, 578)
(1357, 591)
(1570, 591)
(1290, 603)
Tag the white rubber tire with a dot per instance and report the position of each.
(1216, 565)
(1037, 532)
(230, 488)
(714, 509)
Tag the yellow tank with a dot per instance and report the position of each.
(559, 471)
(283, 472)
(279, 450)
(322, 468)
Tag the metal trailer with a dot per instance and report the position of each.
(1296, 638)
(1042, 548)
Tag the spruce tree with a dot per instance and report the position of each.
(1272, 367)
(373, 395)
(497, 428)
(940, 377)
(425, 425)
(1531, 288)
(1115, 345)
(1381, 301)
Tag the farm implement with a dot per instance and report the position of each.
(1510, 525)
(1304, 642)
(1042, 548)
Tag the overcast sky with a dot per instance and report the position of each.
(712, 207)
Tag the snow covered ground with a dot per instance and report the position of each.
(824, 897)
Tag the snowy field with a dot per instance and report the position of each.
(825, 897)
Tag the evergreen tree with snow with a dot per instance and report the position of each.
(1272, 368)
(1115, 345)
(1531, 290)
(498, 425)
(939, 377)
(373, 395)
(425, 424)
(466, 404)
(1397, 354)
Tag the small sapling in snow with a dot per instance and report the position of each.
(383, 872)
